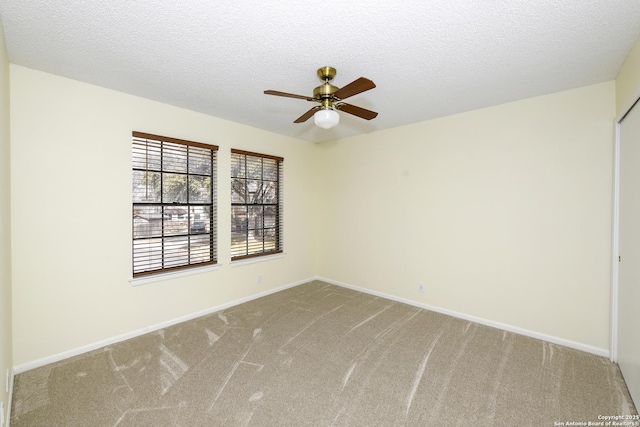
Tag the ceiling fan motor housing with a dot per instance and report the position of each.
(324, 92)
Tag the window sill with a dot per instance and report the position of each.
(138, 281)
(256, 259)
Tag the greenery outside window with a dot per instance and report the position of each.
(174, 204)
(256, 204)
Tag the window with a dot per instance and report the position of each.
(256, 204)
(174, 211)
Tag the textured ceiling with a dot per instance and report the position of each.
(428, 59)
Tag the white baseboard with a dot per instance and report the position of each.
(90, 347)
(110, 341)
(502, 326)
(7, 414)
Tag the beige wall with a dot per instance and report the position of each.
(71, 204)
(503, 213)
(628, 80)
(5, 224)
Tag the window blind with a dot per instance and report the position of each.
(174, 204)
(256, 204)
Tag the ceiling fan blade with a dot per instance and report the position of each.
(357, 111)
(355, 87)
(306, 116)
(288, 95)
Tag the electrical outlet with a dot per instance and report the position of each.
(259, 278)
(421, 287)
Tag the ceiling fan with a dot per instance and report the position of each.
(330, 98)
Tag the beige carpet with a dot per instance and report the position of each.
(321, 355)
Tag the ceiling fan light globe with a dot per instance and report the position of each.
(326, 118)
